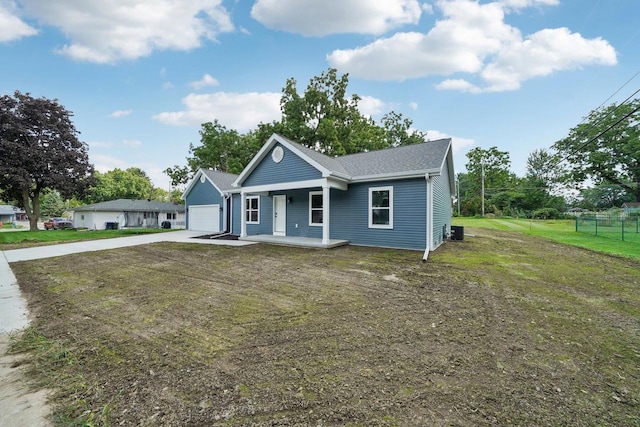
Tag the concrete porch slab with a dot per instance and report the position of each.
(304, 242)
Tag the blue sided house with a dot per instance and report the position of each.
(396, 198)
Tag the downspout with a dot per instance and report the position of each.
(429, 217)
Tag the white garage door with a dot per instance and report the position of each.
(204, 218)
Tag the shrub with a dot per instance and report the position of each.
(546, 213)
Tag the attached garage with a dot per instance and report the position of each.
(204, 218)
(208, 200)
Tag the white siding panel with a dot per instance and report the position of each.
(96, 220)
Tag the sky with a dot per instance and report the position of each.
(141, 76)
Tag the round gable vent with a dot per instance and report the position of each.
(277, 154)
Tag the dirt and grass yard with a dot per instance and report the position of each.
(498, 329)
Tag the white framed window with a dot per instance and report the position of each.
(315, 208)
(381, 207)
(252, 210)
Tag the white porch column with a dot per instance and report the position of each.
(326, 192)
(243, 214)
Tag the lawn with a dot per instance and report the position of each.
(563, 231)
(501, 328)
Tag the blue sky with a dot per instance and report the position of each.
(141, 75)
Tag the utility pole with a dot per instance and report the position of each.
(482, 188)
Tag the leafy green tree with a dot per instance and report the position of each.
(490, 166)
(51, 204)
(131, 183)
(39, 150)
(398, 130)
(323, 118)
(179, 175)
(604, 197)
(605, 148)
(541, 181)
(218, 146)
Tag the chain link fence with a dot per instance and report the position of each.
(619, 227)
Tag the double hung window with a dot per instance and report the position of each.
(381, 207)
(315, 208)
(252, 210)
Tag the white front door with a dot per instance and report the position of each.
(279, 215)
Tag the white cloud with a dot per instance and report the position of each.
(370, 106)
(120, 113)
(542, 54)
(427, 8)
(11, 26)
(474, 38)
(316, 18)
(107, 32)
(99, 144)
(458, 144)
(413, 106)
(240, 111)
(167, 85)
(457, 84)
(133, 143)
(104, 162)
(521, 4)
(205, 81)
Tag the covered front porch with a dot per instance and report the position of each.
(290, 213)
(304, 242)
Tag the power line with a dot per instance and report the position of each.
(590, 140)
(603, 118)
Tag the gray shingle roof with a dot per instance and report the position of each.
(408, 158)
(127, 205)
(426, 156)
(9, 210)
(330, 163)
(223, 180)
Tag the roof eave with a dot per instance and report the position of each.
(396, 175)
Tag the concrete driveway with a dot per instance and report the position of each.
(18, 404)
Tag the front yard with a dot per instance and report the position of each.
(498, 329)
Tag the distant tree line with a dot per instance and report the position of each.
(597, 166)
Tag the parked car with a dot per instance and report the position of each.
(57, 224)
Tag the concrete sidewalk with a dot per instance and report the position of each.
(13, 308)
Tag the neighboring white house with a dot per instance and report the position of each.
(125, 213)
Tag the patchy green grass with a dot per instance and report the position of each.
(22, 239)
(563, 231)
(500, 329)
